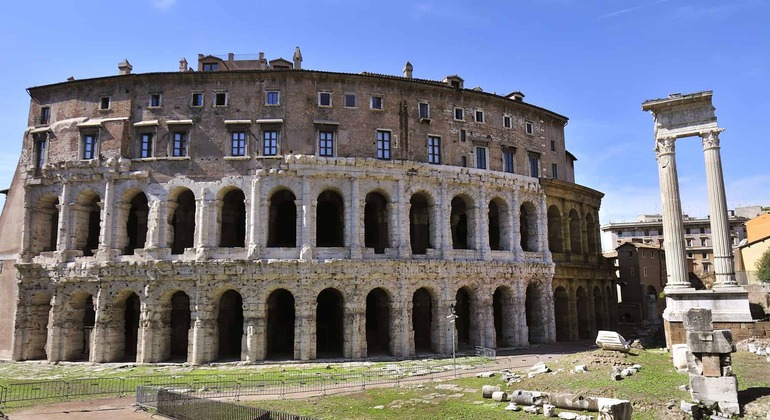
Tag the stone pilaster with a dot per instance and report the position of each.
(205, 341)
(305, 331)
(443, 224)
(101, 334)
(307, 231)
(254, 335)
(673, 231)
(106, 234)
(514, 218)
(63, 238)
(256, 239)
(402, 223)
(153, 335)
(481, 237)
(354, 330)
(353, 231)
(155, 225)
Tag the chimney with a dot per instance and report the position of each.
(408, 70)
(230, 56)
(183, 64)
(516, 96)
(125, 67)
(297, 59)
(262, 61)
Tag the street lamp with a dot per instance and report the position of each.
(452, 317)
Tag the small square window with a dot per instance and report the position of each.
(145, 145)
(89, 143)
(424, 110)
(197, 99)
(326, 143)
(383, 144)
(104, 103)
(350, 100)
(179, 144)
(529, 127)
(273, 97)
(463, 136)
(481, 157)
(45, 115)
(376, 102)
(210, 66)
(324, 99)
(459, 114)
(220, 99)
(270, 143)
(155, 100)
(479, 116)
(434, 149)
(507, 121)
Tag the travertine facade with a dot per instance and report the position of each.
(253, 210)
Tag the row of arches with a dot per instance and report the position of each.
(581, 316)
(575, 228)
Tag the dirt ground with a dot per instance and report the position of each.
(108, 408)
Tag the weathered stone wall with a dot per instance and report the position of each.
(739, 330)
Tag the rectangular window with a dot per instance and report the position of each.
(197, 99)
(553, 145)
(481, 157)
(633, 271)
(350, 100)
(45, 115)
(210, 66)
(179, 145)
(479, 116)
(145, 145)
(644, 271)
(554, 171)
(324, 99)
(89, 146)
(326, 143)
(220, 99)
(462, 135)
(643, 254)
(238, 143)
(434, 149)
(104, 103)
(508, 161)
(464, 161)
(41, 144)
(376, 102)
(155, 100)
(270, 143)
(534, 165)
(424, 110)
(705, 255)
(459, 114)
(273, 97)
(529, 127)
(507, 121)
(383, 144)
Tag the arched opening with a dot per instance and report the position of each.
(419, 224)
(183, 222)
(376, 222)
(87, 226)
(36, 334)
(280, 325)
(180, 325)
(535, 318)
(131, 327)
(282, 229)
(422, 320)
(502, 309)
(459, 223)
(80, 315)
(330, 220)
(463, 320)
(528, 227)
(233, 220)
(555, 240)
(330, 312)
(584, 323)
(598, 311)
(494, 226)
(136, 225)
(230, 324)
(377, 322)
(591, 235)
(561, 311)
(46, 224)
(576, 245)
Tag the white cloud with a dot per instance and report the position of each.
(162, 4)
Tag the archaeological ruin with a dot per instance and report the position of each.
(249, 210)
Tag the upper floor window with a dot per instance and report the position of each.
(424, 110)
(553, 145)
(350, 100)
(220, 99)
(145, 145)
(41, 147)
(179, 143)
(464, 161)
(529, 128)
(481, 157)
(434, 149)
(383, 144)
(534, 164)
(507, 121)
(197, 99)
(326, 143)
(376, 102)
(508, 160)
(273, 97)
(325, 99)
(644, 271)
(463, 135)
(104, 103)
(554, 171)
(155, 100)
(459, 114)
(45, 115)
(89, 145)
(238, 143)
(270, 143)
(479, 116)
(210, 66)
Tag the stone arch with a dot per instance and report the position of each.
(583, 318)
(376, 222)
(126, 312)
(420, 229)
(575, 241)
(503, 310)
(535, 318)
(37, 311)
(87, 220)
(591, 233)
(82, 314)
(282, 228)
(181, 220)
(281, 315)
(136, 222)
(330, 328)
(599, 308)
(497, 217)
(422, 320)
(45, 224)
(528, 227)
(463, 322)
(378, 320)
(561, 312)
(555, 239)
(461, 222)
(230, 325)
(330, 220)
(232, 218)
(179, 324)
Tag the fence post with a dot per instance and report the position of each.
(3, 396)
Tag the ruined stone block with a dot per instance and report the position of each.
(698, 319)
(712, 390)
(711, 365)
(719, 341)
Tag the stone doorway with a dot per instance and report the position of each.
(419, 224)
(502, 310)
(598, 308)
(180, 326)
(131, 327)
(330, 225)
(38, 311)
(377, 323)
(535, 321)
(183, 222)
(280, 325)
(494, 226)
(422, 321)
(459, 224)
(136, 225)
(329, 324)
(230, 325)
(233, 220)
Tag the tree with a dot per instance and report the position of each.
(763, 267)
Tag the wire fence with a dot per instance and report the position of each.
(234, 385)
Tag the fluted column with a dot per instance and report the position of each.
(720, 228)
(673, 231)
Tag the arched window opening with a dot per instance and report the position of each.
(495, 227)
(330, 329)
(183, 223)
(459, 223)
(45, 224)
(230, 324)
(422, 320)
(419, 224)
(89, 223)
(136, 225)
(377, 323)
(282, 229)
(330, 220)
(463, 320)
(233, 222)
(598, 308)
(131, 327)
(561, 309)
(376, 222)
(180, 326)
(36, 330)
(528, 227)
(575, 241)
(280, 325)
(555, 240)
(584, 323)
(502, 310)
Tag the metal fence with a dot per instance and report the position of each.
(235, 385)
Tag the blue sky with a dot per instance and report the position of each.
(593, 61)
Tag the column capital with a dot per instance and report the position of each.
(665, 146)
(711, 138)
